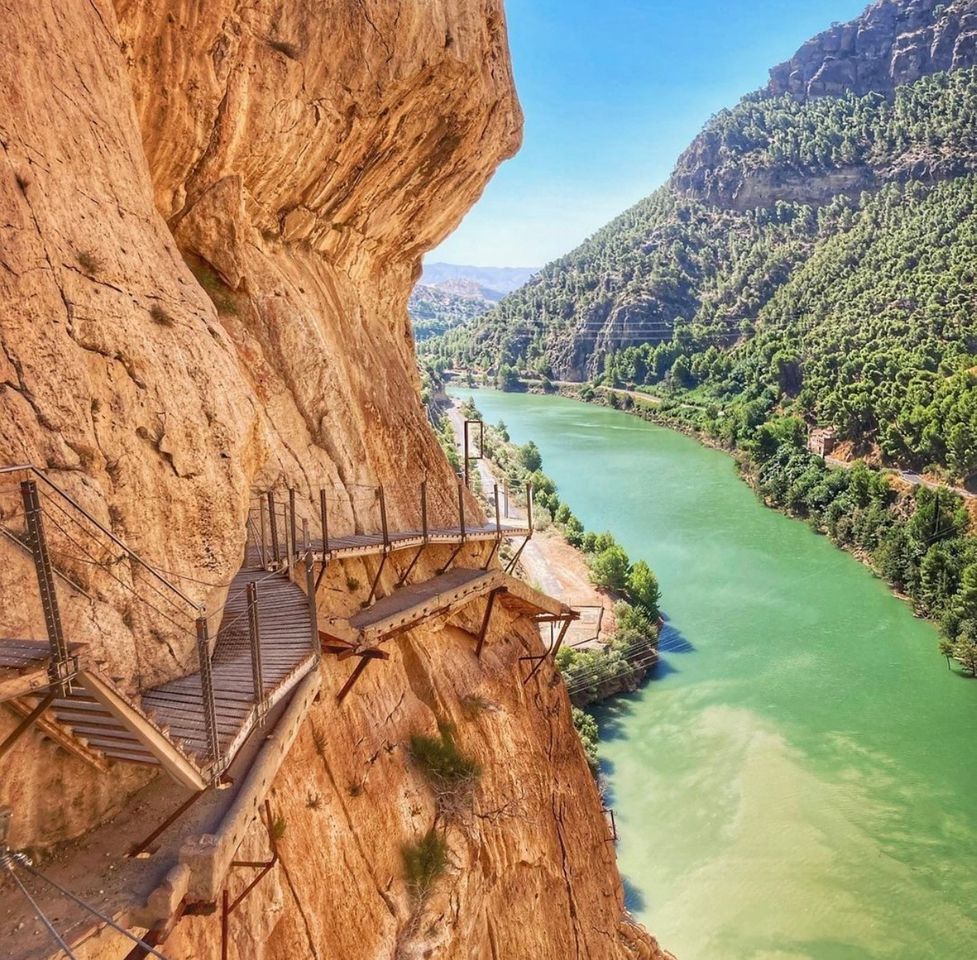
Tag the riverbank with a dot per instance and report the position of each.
(610, 649)
(911, 535)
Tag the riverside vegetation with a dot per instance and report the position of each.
(637, 613)
(811, 262)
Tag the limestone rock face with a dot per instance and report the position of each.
(211, 217)
(893, 42)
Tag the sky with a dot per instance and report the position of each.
(613, 91)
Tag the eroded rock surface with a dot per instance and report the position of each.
(893, 42)
(211, 217)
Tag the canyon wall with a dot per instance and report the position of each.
(211, 217)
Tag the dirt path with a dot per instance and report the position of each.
(552, 565)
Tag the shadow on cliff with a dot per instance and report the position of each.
(634, 899)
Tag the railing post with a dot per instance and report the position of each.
(310, 586)
(424, 509)
(383, 519)
(273, 523)
(254, 634)
(498, 517)
(291, 518)
(529, 505)
(289, 545)
(60, 666)
(207, 692)
(505, 497)
(324, 522)
(461, 508)
(261, 520)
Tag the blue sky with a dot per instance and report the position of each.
(613, 91)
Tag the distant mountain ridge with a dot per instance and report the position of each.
(449, 295)
(498, 280)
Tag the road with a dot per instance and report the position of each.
(912, 477)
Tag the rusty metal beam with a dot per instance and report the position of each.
(27, 722)
(489, 606)
(143, 845)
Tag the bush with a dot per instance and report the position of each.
(609, 569)
(643, 588)
(450, 773)
(586, 727)
(424, 862)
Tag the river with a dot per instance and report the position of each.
(798, 779)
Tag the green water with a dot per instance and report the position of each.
(799, 779)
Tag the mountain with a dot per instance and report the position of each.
(492, 280)
(813, 253)
(449, 295)
(436, 309)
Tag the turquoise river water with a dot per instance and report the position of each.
(798, 779)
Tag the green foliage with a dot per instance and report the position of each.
(586, 727)
(530, 459)
(443, 765)
(434, 311)
(643, 588)
(219, 292)
(424, 863)
(853, 310)
(609, 569)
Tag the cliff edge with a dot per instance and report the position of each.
(212, 216)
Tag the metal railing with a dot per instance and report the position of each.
(66, 540)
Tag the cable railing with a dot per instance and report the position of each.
(285, 523)
(68, 543)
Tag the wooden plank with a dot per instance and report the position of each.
(23, 685)
(171, 759)
(60, 735)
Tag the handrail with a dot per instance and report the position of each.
(30, 468)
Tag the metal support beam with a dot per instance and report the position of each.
(481, 447)
(228, 906)
(512, 563)
(498, 531)
(60, 667)
(143, 846)
(319, 579)
(254, 637)
(324, 523)
(27, 722)
(376, 579)
(207, 692)
(273, 525)
(383, 518)
(291, 520)
(486, 619)
(560, 638)
(310, 588)
(353, 677)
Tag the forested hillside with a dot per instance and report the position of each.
(811, 255)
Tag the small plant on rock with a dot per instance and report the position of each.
(159, 315)
(88, 261)
(450, 773)
(424, 862)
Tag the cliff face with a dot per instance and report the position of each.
(892, 43)
(212, 216)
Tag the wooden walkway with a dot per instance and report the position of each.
(411, 606)
(369, 544)
(169, 727)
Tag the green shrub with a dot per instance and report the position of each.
(424, 862)
(448, 770)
